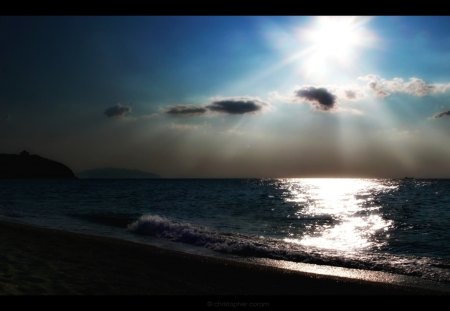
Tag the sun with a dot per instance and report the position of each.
(335, 41)
(334, 37)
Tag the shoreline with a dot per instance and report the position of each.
(42, 261)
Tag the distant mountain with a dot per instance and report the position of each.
(116, 173)
(25, 165)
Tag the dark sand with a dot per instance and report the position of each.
(43, 261)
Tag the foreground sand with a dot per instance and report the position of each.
(43, 261)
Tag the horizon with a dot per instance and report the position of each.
(130, 170)
(227, 97)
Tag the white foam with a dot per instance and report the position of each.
(248, 246)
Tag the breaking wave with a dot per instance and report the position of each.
(263, 247)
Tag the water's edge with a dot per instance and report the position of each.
(334, 272)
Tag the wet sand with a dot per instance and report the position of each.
(52, 262)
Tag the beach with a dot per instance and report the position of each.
(39, 261)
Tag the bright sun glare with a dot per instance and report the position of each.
(334, 37)
(354, 226)
(334, 40)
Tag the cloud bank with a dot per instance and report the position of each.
(328, 98)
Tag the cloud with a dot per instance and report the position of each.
(320, 97)
(117, 111)
(418, 87)
(229, 105)
(186, 110)
(413, 86)
(442, 114)
(343, 97)
(350, 94)
(441, 87)
(238, 105)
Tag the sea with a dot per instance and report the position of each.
(394, 226)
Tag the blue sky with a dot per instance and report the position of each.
(221, 96)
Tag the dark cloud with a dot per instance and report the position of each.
(236, 105)
(239, 105)
(186, 110)
(320, 97)
(442, 114)
(117, 111)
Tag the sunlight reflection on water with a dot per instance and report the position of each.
(354, 223)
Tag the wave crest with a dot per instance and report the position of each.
(243, 245)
